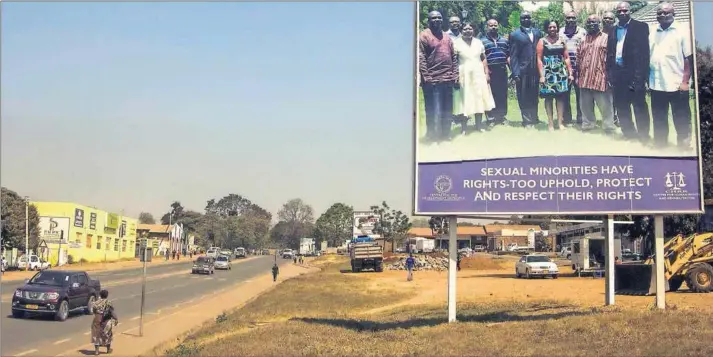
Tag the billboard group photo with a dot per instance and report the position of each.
(556, 107)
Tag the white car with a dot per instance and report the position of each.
(36, 263)
(223, 263)
(536, 265)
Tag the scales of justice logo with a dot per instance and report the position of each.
(675, 181)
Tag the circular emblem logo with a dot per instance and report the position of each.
(443, 184)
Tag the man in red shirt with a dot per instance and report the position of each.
(438, 68)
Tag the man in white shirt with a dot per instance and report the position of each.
(670, 75)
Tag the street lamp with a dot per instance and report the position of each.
(464, 14)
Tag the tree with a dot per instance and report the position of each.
(393, 224)
(438, 225)
(146, 218)
(174, 214)
(299, 218)
(235, 221)
(13, 221)
(335, 224)
(295, 210)
(704, 59)
(478, 13)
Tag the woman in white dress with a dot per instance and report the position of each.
(474, 97)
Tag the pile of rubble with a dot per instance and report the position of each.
(425, 262)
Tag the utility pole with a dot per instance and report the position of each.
(27, 233)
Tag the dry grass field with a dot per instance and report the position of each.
(337, 313)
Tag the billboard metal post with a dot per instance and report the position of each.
(452, 257)
(658, 262)
(609, 268)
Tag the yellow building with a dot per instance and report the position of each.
(84, 233)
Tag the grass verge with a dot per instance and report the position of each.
(323, 314)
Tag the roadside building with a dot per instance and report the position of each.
(500, 236)
(70, 232)
(162, 238)
(468, 236)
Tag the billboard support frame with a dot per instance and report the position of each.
(452, 267)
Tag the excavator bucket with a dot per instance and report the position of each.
(635, 279)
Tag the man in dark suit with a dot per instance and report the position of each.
(523, 64)
(628, 71)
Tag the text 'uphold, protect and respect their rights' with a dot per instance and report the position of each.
(572, 183)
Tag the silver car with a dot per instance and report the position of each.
(223, 262)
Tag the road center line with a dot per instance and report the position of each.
(26, 352)
(135, 318)
(60, 341)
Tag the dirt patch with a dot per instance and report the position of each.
(345, 314)
(480, 263)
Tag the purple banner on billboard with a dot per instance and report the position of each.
(560, 184)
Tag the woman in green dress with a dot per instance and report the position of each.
(555, 72)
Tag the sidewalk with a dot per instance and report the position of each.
(19, 275)
(165, 331)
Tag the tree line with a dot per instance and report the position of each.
(234, 221)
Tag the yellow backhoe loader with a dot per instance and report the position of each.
(688, 259)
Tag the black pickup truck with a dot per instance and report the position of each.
(57, 293)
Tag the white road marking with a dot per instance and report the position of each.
(60, 341)
(135, 318)
(26, 352)
(87, 333)
(176, 306)
(248, 281)
(209, 278)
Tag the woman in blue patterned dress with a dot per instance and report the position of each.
(555, 72)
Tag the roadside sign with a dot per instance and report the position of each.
(43, 244)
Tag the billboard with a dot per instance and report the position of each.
(505, 119)
(52, 228)
(364, 223)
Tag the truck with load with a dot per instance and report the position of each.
(366, 254)
(688, 259)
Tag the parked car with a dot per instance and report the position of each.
(203, 265)
(57, 293)
(223, 262)
(536, 265)
(36, 263)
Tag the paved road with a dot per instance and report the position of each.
(108, 276)
(44, 337)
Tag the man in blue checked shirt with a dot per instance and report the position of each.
(497, 54)
(410, 264)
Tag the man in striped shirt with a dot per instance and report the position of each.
(592, 80)
(572, 35)
(497, 53)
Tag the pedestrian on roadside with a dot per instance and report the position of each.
(103, 324)
(410, 263)
(294, 259)
(178, 255)
(275, 271)
(167, 254)
(458, 262)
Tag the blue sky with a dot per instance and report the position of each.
(134, 105)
